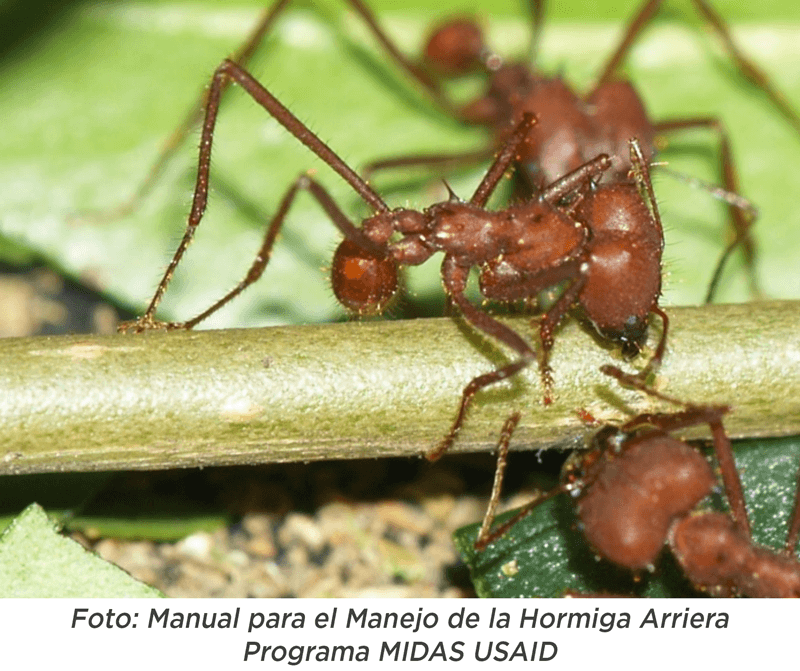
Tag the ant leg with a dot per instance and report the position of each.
(741, 216)
(229, 70)
(658, 356)
(242, 57)
(193, 117)
(641, 171)
(536, 9)
(548, 324)
(505, 158)
(497, 485)
(455, 278)
(730, 476)
(487, 535)
(226, 73)
(501, 164)
(744, 64)
(635, 27)
(692, 416)
(577, 180)
(305, 183)
(414, 70)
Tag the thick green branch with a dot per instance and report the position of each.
(165, 400)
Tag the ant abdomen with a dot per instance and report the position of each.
(557, 144)
(455, 48)
(362, 281)
(628, 510)
(618, 114)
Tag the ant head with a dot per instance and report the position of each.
(622, 287)
(582, 465)
(362, 281)
(632, 337)
(455, 48)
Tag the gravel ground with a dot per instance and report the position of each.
(347, 529)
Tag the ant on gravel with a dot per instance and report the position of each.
(600, 240)
(637, 488)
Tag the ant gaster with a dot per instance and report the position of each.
(637, 488)
(599, 240)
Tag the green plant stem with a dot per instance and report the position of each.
(167, 400)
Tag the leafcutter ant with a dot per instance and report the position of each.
(600, 240)
(573, 128)
(638, 489)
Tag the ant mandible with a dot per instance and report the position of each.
(637, 488)
(600, 240)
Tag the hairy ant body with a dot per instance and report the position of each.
(597, 239)
(573, 128)
(637, 488)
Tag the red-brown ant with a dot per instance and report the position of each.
(599, 240)
(637, 488)
(572, 128)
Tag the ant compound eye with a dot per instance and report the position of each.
(631, 337)
(455, 48)
(362, 281)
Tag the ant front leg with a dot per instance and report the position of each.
(242, 57)
(368, 250)
(454, 278)
(226, 73)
